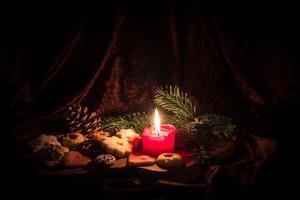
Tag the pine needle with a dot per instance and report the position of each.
(172, 99)
(220, 126)
(135, 121)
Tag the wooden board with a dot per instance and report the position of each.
(152, 173)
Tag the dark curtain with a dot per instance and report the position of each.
(239, 60)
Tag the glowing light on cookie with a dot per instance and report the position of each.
(156, 122)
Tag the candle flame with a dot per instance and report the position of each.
(156, 122)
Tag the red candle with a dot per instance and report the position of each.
(159, 139)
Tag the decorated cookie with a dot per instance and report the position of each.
(138, 159)
(128, 134)
(169, 160)
(43, 141)
(99, 135)
(51, 155)
(105, 160)
(90, 148)
(72, 139)
(117, 146)
(75, 159)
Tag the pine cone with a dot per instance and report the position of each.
(80, 120)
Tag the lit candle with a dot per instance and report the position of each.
(159, 139)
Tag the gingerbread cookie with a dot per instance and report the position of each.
(51, 155)
(169, 160)
(105, 160)
(117, 146)
(43, 141)
(128, 134)
(99, 135)
(72, 139)
(138, 159)
(75, 159)
(90, 148)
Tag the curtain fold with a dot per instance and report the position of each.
(111, 56)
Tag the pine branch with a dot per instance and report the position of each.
(182, 115)
(181, 123)
(175, 101)
(218, 125)
(135, 121)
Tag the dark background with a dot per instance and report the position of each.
(237, 59)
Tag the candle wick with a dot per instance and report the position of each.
(158, 133)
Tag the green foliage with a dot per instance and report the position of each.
(182, 113)
(135, 121)
(173, 100)
(218, 125)
(181, 123)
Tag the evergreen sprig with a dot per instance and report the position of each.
(135, 121)
(172, 99)
(218, 125)
(182, 123)
(182, 113)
